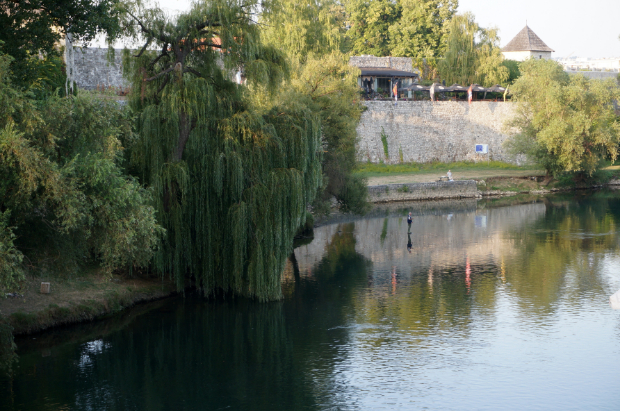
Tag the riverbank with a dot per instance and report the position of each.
(491, 187)
(86, 298)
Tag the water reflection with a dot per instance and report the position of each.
(471, 308)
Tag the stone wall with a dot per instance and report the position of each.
(92, 69)
(396, 63)
(422, 191)
(424, 131)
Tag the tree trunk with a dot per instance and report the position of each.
(185, 128)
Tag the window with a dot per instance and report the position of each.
(383, 84)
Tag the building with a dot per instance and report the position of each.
(526, 44)
(610, 64)
(378, 74)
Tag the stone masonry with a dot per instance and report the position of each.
(92, 69)
(424, 131)
(396, 63)
(422, 191)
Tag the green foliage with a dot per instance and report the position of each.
(370, 23)
(327, 86)
(385, 144)
(473, 55)
(61, 162)
(421, 30)
(231, 184)
(373, 170)
(513, 70)
(405, 28)
(29, 28)
(564, 123)
(304, 28)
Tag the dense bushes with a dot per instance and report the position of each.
(65, 199)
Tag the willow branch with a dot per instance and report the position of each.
(163, 53)
(163, 84)
(150, 32)
(191, 70)
(148, 41)
(168, 70)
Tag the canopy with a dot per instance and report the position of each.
(496, 89)
(385, 72)
(416, 87)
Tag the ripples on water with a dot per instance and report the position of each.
(493, 308)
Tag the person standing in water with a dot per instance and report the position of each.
(409, 220)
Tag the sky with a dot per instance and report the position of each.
(571, 28)
(582, 29)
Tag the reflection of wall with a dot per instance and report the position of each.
(424, 131)
(437, 240)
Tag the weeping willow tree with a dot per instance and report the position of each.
(473, 54)
(232, 184)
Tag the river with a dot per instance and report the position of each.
(482, 306)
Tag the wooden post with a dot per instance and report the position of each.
(45, 288)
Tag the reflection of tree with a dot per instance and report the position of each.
(198, 354)
(571, 238)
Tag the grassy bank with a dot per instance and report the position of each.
(78, 299)
(382, 169)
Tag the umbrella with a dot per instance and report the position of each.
(479, 88)
(440, 87)
(496, 89)
(416, 87)
(457, 87)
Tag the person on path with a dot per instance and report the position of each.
(470, 93)
(449, 174)
(432, 92)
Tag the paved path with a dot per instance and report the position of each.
(457, 175)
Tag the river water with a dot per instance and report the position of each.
(482, 306)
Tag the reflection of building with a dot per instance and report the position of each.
(378, 74)
(438, 240)
(526, 44)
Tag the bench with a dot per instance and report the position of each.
(443, 178)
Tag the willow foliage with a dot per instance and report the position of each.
(472, 55)
(231, 184)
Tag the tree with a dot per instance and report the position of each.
(323, 81)
(513, 70)
(421, 30)
(33, 27)
(403, 28)
(564, 123)
(231, 183)
(63, 189)
(328, 87)
(370, 23)
(304, 28)
(473, 55)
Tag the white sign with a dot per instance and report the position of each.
(482, 148)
